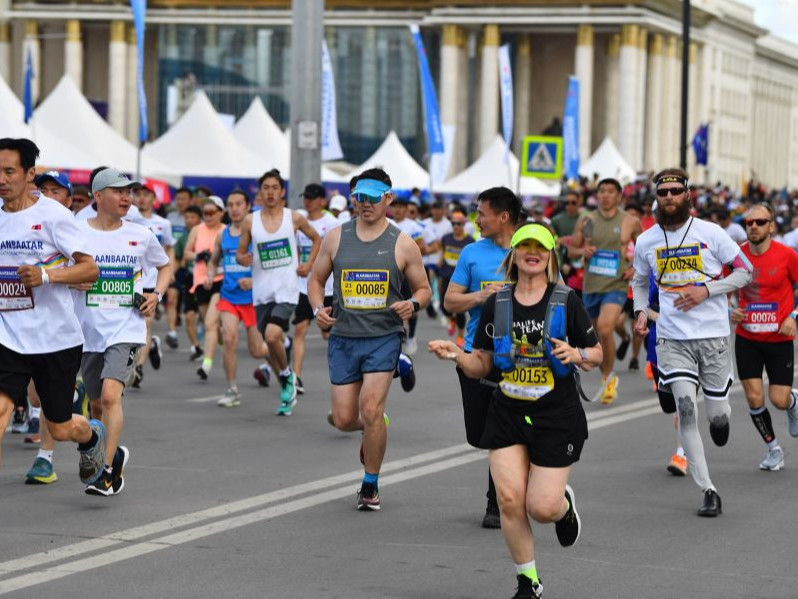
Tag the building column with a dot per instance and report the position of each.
(131, 88)
(489, 88)
(73, 53)
(264, 51)
(522, 80)
(117, 76)
(627, 81)
(584, 73)
(5, 51)
(652, 161)
(250, 53)
(369, 97)
(33, 45)
(452, 83)
(611, 96)
(640, 99)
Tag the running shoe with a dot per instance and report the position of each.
(103, 486)
(196, 353)
(263, 374)
(41, 473)
(649, 371)
(569, 526)
(136, 377)
(202, 373)
(121, 458)
(634, 365)
(527, 589)
(368, 498)
(620, 353)
(33, 431)
(407, 373)
(792, 415)
(155, 352)
(300, 388)
(289, 391)
(230, 399)
(678, 465)
(19, 425)
(460, 341)
(610, 389)
(719, 430)
(410, 347)
(774, 460)
(80, 399)
(171, 340)
(92, 459)
(452, 327)
(711, 506)
(492, 518)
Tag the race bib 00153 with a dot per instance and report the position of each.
(528, 383)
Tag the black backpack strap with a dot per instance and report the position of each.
(503, 312)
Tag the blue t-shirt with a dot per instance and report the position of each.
(478, 266)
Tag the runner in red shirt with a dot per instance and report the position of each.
(766, 328)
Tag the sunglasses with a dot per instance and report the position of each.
(361, 198)
(458, 223)
(759, 222)
(674, 191)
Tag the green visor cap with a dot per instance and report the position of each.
(534, 231)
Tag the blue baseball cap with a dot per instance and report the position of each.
(58, 177)
(371, 187)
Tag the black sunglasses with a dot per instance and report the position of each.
(674, 191)
(759, 222)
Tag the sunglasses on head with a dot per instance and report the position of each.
(674, 191)
(361, 198)
(759, 222)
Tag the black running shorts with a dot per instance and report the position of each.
(775, 358)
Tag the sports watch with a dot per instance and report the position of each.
(416, 305)
(583, 354)
(316, 310)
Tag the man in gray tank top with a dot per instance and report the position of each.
(369, 259)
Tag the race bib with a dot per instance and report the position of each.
(274, 254)
(230, 264)
(13, 294)
(113, 289)
(484, 284)
(451, 255)
(304, 253)
(679, 266)
(761, 317)
(528, 383)
(365, 289)
(605, 263)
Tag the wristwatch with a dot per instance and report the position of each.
(416, 305)
(583, 354)
(159, 295)
(316, 310)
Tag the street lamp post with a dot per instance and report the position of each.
(685, 82)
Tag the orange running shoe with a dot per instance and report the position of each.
(649, 372)
(678, 465)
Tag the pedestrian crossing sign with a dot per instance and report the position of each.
(541, 157)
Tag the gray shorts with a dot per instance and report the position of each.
(705, 362)
(274, 313)
(115, 362)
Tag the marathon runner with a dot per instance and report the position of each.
(452, 246)
(40, 336)
(687, 256)
(182, 278)
(369, 259)
(765, 330)
(535, 427)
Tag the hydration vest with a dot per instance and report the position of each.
(554, 327)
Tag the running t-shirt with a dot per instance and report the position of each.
(532, 382)
(768, 300)
(692, 255)
(323, 225)
(452, 248)
(478, 266)
(233, 271)
(411, 228)
(42, 319)
(179, 229)
(434, 231)
(162, 229)
(106, 311)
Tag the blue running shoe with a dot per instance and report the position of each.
(92, 460)
(41, 473)
(289, 391)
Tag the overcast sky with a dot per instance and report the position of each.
(779, 16)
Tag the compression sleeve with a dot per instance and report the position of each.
(640, 291)
(740, 276)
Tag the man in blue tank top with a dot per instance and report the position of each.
(369, 259)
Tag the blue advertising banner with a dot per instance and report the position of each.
(570, 130)
(429, 97)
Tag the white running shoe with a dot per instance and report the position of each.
(774, 460)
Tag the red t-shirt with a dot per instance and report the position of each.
(769, 298)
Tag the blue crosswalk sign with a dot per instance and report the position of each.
(541, 157)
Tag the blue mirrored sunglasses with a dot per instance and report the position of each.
(361, 198)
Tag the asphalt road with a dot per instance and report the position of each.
(243, 503)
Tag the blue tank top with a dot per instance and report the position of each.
(233, 271)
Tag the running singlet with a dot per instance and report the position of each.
(274, 261)
(452, 248)
(233, 271)
(768, 300)
(205, 241)
(604, 271)
(323, 226)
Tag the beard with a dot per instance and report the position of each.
(677, 218)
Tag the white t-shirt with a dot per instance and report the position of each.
(434, 232)
(706, 247)
(324, 225)
(411, 228)
(106, 312)
(791, 239)
(344, 216)
(40, 320)
(162, 229)
(736, 232)
(133, 215)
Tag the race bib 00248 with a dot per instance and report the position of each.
(13, 294)
(363, 289)
(274, 254)
(113, 288)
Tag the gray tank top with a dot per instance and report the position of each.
(366, 281)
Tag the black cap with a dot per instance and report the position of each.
(312, 191)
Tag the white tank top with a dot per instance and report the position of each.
(274, 262)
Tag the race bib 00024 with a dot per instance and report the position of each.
(13, 294)
(363, 289)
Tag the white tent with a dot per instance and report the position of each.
(67, 114)
(491, 170)
(391, 156)
(199, 144)
(608, 162)
(258, 133)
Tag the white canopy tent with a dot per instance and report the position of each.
(392, 156)
(69, 115)
(258, 133)
(491, 170)
(608, 162)
(199, 144)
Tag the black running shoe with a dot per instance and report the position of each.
(711, 506)
(492, 518)
(634, 365)
(19, 423)
(300, 388)
(137, 377)
(172, 340)
(368, 498)
(527, 589)
(121, 458)
(202, 374)
(719, 430)
(103, 486)
(155, 352)
(263, 374)
(569, 526)
(407, 373)
(620, 353)
(196, 353)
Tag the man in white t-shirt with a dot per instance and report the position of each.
(686, 256)
(40, 336)
(735, 231)
(113, 311)
(435, 227)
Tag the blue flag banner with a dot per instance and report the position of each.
(139, 17)
(429, 97)
(701, 144)
(27, 97)
(570, 130)
(506, 87)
